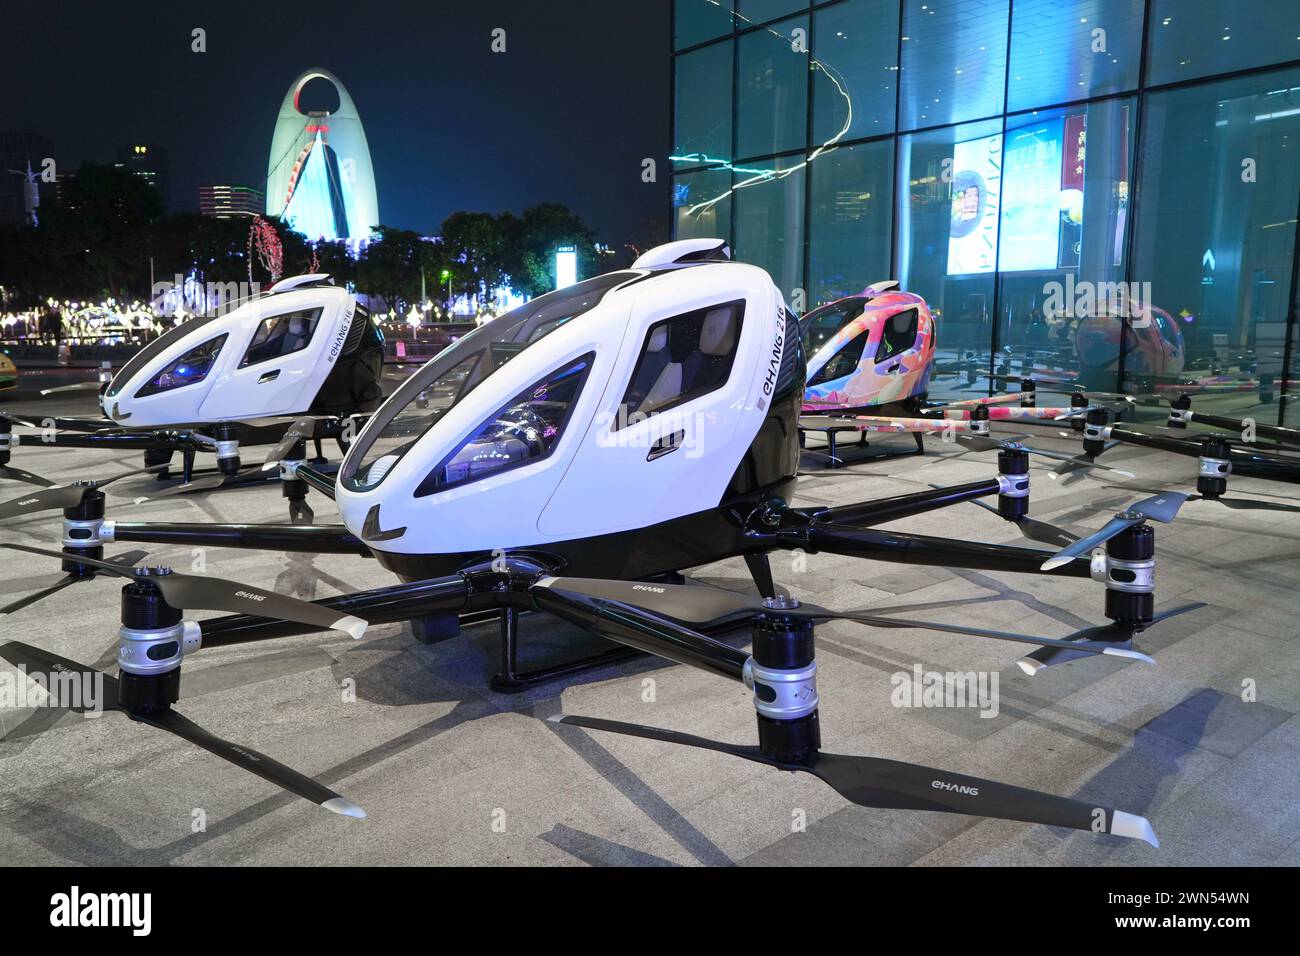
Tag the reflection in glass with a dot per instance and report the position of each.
(769, 221)
(855, 46)
(1216, 236)
(1190, 38)
(702, 205)
(850, 221)
(772, 94)
(949, 183)
(954, 61)
(696, 21)
(760, 11)
(1061, 52)
(702, 125)
(1061, 247)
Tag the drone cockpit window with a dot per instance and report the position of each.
(281, 335)
(682, 358)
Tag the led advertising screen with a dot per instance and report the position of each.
(1032, 198)
(976, 192)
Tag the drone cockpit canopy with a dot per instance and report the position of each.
(868, 349)
(303, 346)
(620, 401)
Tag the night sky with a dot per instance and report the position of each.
(565, 115)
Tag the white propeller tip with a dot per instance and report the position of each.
(353, 625)
(1051, 564)
(347, 808)
(1030, 666)
(268, 465)
(1134, 827)
(1129, 654)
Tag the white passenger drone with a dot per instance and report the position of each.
(615, 407)
(570, 458)
(304, 346)
(218, 381)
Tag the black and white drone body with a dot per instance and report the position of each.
(214, 383)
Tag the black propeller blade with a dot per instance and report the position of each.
(58, 497)
(33, 660)
(1114, 634)
(126, 559)
(1239, 504)
(1162, 507)
(705, 605)
(302, 429)
(18, 474)
(203, 483)
(192, 592)
(893, 785)
(1032, 528)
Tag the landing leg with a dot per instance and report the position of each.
(511, 681)
(760, 569)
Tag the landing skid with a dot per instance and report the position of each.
(832, 431)
(511, 680)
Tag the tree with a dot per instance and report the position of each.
(475, 245)
(390, 266)
(542, 229)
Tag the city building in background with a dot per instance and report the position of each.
(149, 162)
(319, 177)
(1015, 162)
(228, 201)
(23, 158)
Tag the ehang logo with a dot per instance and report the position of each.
(250, 596)
(75, 909)
(955, 788)
(342, 335)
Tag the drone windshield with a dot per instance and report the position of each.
(524, 431)
(191, 367)
(845, 361)
(821, 325)
(445, 380)
(154, 349)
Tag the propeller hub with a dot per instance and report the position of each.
(782, 602)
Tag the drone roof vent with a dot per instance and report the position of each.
(301, 282)
(684, 252)
(878, 287)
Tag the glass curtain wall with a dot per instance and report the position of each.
(1101, 193)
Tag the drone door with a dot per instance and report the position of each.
(648, 457)
(282, 356)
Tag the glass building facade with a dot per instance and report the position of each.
(1102, 192)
